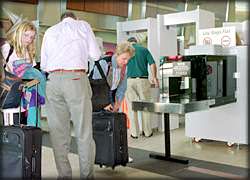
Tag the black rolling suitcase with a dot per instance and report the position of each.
(110, 135)
(20, 152)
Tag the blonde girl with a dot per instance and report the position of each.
(22, 39)
(21, 62)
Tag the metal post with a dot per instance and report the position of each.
(63, 4)
(227, 11)
(185, 10)
(130, 9)
(167, 135)
(143, 9)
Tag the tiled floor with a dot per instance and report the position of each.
(206, 150)
(211, 151)
(49, 169)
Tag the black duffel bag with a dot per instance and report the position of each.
(100, 89)
(10, 88)
(10, 91)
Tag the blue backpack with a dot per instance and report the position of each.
(10, 88)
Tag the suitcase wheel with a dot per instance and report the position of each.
(100, 165)
(124, 164)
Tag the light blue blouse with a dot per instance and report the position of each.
(114, 77)
(117, 83)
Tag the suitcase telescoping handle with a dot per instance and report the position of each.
(37, 108)
(35, 82)
(20, 109)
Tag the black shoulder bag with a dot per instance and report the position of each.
(100, 89)
(10, 88)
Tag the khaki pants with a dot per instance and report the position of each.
(138, 89)
(68, 97)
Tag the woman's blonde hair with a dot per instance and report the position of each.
(15, 39)
(123, 48)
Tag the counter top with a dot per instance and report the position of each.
(176, 105)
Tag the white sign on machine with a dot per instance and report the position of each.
(224, 36)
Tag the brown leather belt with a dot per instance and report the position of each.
(66, 70)
(142, 77)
